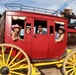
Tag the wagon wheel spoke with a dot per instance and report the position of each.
(14, 58)
(16, 73)
(18, 68)
(72, 73)
(75, 73)
(3, 57)
(69, 65)
(18, 62)
(74, 57)
(71, 60)
(9, 56)
(1, 63)
(70, 70)
(24, 66)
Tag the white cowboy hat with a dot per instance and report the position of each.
(67, 8)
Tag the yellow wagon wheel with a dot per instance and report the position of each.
(69, 65)
(13, 60)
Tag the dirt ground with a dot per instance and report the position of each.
(48, 70)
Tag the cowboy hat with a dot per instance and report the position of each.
(16, 26)
(68, 8)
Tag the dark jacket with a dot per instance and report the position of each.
(68, 15)
(43, 32)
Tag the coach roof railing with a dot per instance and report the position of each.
(15, 6)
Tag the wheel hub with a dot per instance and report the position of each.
(4, 70)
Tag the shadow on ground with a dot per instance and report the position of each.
(50, 70)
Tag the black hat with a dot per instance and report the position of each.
(40, 26)
(61, 28)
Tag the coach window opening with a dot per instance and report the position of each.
(20, 20)
(51, 30)
(57, 26)
(40, 23)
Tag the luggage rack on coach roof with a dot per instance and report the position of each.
(20, 7)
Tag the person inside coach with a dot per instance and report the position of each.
(16, 32)
(40, 30)
(60, 34)
(28, 30)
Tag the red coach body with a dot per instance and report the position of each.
(35, 45)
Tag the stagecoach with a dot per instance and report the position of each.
(21, 57)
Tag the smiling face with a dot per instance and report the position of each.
(16, 29)
(28, 30)
(60, 31)
(40, 28)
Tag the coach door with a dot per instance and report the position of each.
(40, 41)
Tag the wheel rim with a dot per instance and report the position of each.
(69, 65)
(11, 63)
